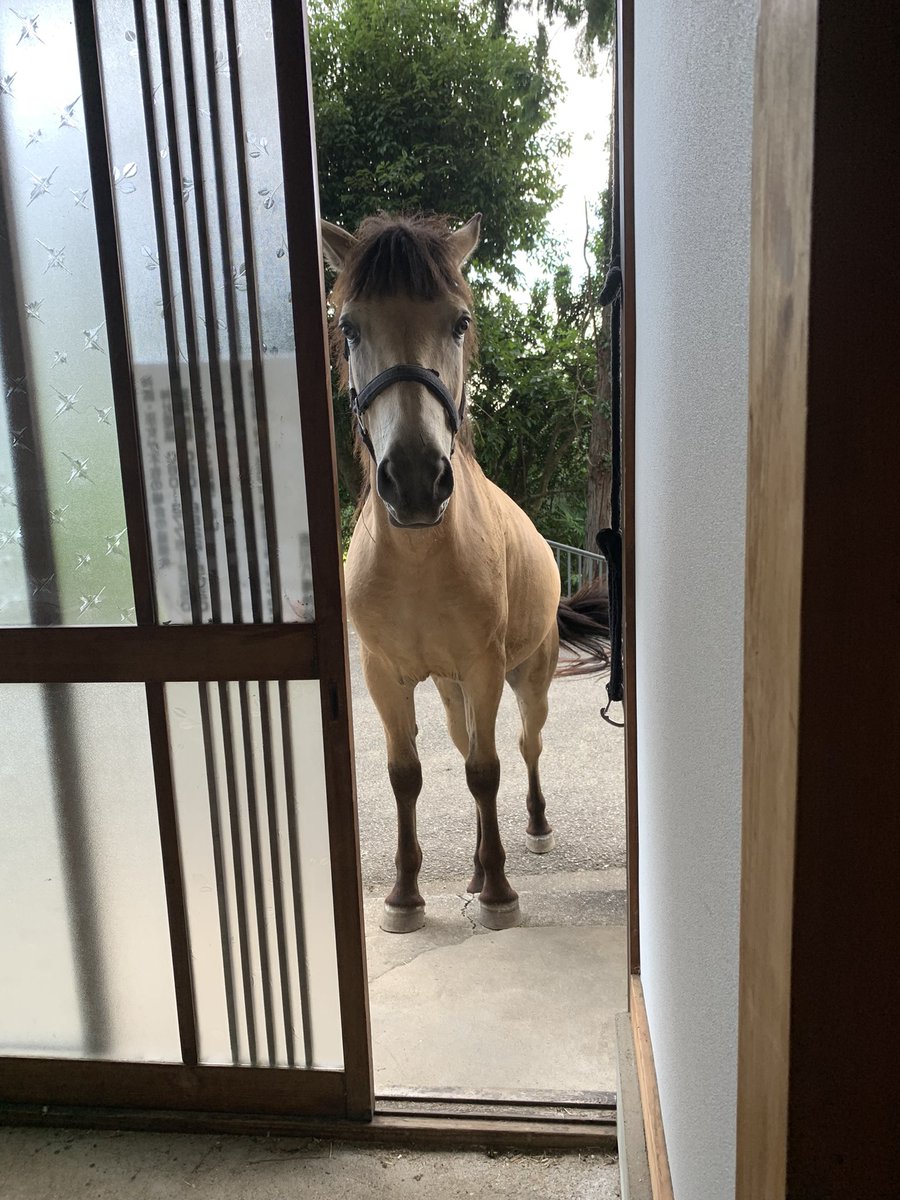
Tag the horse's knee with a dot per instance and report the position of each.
(483, 777)
(406, 780)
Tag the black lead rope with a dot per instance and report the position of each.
(609, 541)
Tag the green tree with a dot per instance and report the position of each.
(531, 398)
(426, 105)
(596, 22)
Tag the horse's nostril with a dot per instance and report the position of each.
(386, 483)
(443, 487)
(415, 488)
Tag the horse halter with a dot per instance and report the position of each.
(403, 373)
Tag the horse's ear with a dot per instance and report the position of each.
(466, 239)
(337, 244)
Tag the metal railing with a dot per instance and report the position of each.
(576, 567)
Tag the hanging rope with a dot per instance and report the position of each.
(609, 541)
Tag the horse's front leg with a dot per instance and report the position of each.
(404, 908)
(455, 708)
(482, 692)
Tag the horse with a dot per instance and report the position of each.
(446, 577)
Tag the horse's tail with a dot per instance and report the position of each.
(583, 623)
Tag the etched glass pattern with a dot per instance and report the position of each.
(200, 213)
(63, 544)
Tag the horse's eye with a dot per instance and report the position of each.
(462, 325)
(349, 330)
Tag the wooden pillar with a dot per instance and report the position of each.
(819, 1085)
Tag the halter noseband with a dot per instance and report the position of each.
(403, 373)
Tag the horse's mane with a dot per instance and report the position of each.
(411, 255)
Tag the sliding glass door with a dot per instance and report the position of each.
(180, 903)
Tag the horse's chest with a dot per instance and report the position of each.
(421, 622)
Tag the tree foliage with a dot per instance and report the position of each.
(425, 105)
(595, 21)
(531, 397)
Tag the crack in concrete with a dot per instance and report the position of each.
(467, 900)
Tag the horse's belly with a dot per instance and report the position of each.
(533, 598)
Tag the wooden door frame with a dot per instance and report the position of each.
(625, 178)
(819, 989)
(819, 986)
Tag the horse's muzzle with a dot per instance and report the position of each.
(415, 489)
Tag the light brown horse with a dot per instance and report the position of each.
(446, 576)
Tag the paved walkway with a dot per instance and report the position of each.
(582, 769)
(454, 1006)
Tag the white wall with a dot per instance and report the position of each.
(693, 115)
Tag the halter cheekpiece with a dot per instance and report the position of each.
(403, 373)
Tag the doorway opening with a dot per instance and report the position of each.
(457, 1010)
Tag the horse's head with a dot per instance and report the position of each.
(403, 319)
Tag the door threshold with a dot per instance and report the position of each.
(570, 1118)
(569, 1105)
(478, 1124)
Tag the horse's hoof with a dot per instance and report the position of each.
(540, 843)
(402, 920)
(500, 916)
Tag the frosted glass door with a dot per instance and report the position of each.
(85, 965)
(63, 542)
(180, 902)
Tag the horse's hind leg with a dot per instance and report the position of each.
(404, 908)
(455, 711)
(531, 681)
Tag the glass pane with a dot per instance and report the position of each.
(85, 967)
(63, 548)
(203, 249)
(250, 784)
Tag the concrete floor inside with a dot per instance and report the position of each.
(41, 1164)
(453, 1005)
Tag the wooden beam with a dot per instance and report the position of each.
(658, 1159)
(634, 1163)
(782, 180)
(127, 1085)
(290, 38)
(625, 102)
(819, 989)
(157, 653)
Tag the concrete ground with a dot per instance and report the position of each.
(40, 1164)
(454, 1006)
(582, 770)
